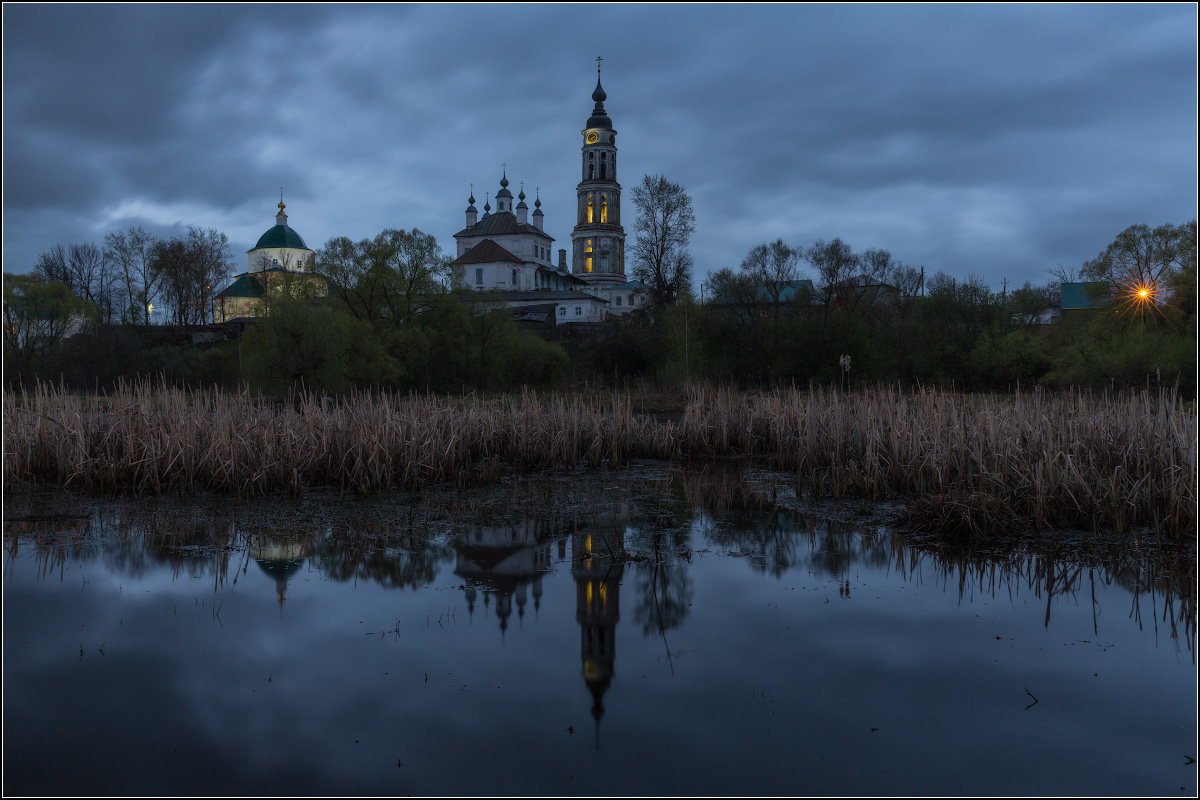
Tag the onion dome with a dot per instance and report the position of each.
(521, 197)
(281, 235)
(537, 207)
(504, 192)
(599, 117)
(487, 207)
(471, 203)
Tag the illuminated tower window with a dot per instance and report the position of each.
(591, 209)
(587, 250)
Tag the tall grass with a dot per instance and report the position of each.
(985, 463)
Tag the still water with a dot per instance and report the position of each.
(654, 630)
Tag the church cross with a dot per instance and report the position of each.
(598, 60)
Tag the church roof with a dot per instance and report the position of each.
(548, 296)
(280, 236)
(498, 224)
(487, 252)
(246, 285)
(630, 286)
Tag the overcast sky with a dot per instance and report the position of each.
(996, 140)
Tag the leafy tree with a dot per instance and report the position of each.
(665, 223)
(38, 315)
(392, 277)
(297, 339)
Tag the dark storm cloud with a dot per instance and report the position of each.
(987, 139)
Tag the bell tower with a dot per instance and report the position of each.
(598, 241)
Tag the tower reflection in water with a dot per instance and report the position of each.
(500, 561)
(597, 610)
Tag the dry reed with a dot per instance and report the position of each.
(984, 464)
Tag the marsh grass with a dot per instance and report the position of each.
(980, 464)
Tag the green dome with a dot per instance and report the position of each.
(280, 236)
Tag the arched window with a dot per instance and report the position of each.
(604, 208)
(603, 165)
(587, 252)
(591, 166)
(591, 211)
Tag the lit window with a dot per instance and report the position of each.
(604, 208)
(591, 209)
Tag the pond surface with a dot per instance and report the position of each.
(655, 630)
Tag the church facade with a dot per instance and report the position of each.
(279, 258)
(509, 253)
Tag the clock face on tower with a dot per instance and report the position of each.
(593, 137)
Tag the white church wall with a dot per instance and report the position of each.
(290, 258)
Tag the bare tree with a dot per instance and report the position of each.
(213, 266)
(191, 271)
(130, 255)
(1142, 258)
(836, 264)
(85, 271)
(664, 226)
(774, 267)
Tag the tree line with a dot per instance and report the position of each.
(825, 313)
(133, 270)
(787, 313)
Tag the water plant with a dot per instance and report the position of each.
(982, 463)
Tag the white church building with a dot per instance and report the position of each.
(510, 253)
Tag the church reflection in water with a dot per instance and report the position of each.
(280, 559)
(507, 561)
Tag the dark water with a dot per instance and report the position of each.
(650, 631)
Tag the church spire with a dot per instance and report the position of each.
(599, 118)
(281, 217)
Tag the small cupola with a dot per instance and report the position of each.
(538, 216)
(472, 212)
(504, 196)
(522, 209)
